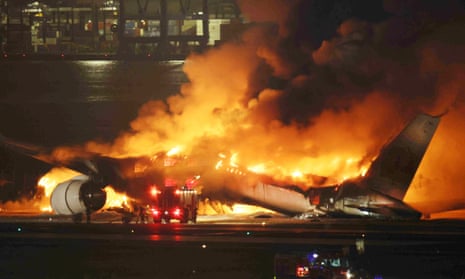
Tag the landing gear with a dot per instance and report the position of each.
(88, 212)
(78, 218)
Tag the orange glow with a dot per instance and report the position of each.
(228, 106)
(49, 181)
(240, 208)
(257, 168)
(338, 146)
(215, 207)
(233, 160)
(115, 199)
(174, 151)
(57, 175)
(46, 209)
(154, 191)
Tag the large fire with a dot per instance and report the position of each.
(339, 102)
(57, 175)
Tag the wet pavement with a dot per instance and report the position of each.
(236, 249)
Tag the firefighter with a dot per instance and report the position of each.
(141, 215)
(137, 213)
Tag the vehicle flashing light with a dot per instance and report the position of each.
(155, 212)
(177, 212)
(302, 271)
(154, 191)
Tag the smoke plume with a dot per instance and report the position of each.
(295, 103)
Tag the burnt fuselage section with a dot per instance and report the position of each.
(357, 199)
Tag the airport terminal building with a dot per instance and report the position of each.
(164, 29)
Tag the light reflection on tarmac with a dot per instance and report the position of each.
(265, 222)
(50, 246)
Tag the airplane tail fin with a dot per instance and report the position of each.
(392, 172)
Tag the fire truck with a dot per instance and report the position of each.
(173, 197)
(174, 203)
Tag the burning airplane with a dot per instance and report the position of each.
(314, 134)
(378, 193)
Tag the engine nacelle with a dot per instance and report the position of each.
(77, 195)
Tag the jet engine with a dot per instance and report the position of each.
(76, 196)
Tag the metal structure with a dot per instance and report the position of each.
(142, 28)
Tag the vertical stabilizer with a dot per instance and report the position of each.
(392, 172)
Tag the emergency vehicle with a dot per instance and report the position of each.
(174, 203)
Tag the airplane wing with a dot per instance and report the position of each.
(18, 169)
(79, 195)
(101, 168)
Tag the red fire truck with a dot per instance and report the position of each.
(174, 203)
(175, 196)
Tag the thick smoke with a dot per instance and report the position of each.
(292, 97)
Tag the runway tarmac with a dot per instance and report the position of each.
(72, 102)
(229, 248)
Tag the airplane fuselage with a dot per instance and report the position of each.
(356, 199)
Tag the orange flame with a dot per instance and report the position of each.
(55, 176)
(50, 180)
(228, 105)
(48, 183)
(115, 199)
